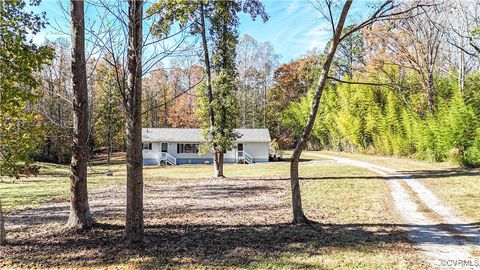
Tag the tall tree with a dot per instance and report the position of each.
(291, 82)
(224, 24)
(222, 20)
(108, 114)
(56, 105)
(2, 226)
(79, 209)
(298, 215)
(386, 10)
(120, 36)
(133, 97)
(412, 44)
(208, 70)
(256, 62)
(19, 124)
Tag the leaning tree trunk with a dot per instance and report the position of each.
(80, 216)
(298, 215)
(134, 216)
(2, 227)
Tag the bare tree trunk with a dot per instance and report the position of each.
(134, 218)
(461, 70)
(298, 215)
(265, 107)
(109, 154)
(244, 110)
(2, 227)
(79, 209)
(165, 107)
(219, 156)
(430, 92)
(254, 108)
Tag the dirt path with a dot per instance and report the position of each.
(447, 243)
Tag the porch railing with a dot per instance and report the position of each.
(247, 157)
(169, 159)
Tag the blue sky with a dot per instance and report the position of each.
(294, 26)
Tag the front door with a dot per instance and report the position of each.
(164, 149)
(240, 151)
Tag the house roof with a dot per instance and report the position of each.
(195, 135)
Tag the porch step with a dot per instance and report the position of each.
(169, 159)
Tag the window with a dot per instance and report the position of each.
(164, 147)
(147, 146)
(187, 148)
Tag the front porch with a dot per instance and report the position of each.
(164, 159)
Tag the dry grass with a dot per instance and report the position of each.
(231, 223)
(458, 187)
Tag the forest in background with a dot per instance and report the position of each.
(401, 87)
(169, 97)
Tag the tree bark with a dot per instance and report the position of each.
(461, 69)
(430, 92)
(298, 215)
(109, 154)
(134, 217)
(2, 227)
(80, 216)
(216, 160)
(265, 107)
(219, 156)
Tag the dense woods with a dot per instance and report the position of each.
(418, 71)
(395, 89)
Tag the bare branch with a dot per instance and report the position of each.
(358, 83)
(176, 96)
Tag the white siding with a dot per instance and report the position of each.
(257, 150)
(152, 154)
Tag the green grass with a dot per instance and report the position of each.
(348, 195)
(53, 182)
(358, 258)
(458, 187)
(461, 192)
(332, 194)
(51, 185)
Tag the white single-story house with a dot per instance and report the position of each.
(180, 146)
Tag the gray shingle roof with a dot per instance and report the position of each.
(194, 135)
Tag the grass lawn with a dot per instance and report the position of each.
(51, 185)
(460, 188)
(194, 221)
(53, 182)
(354, 206)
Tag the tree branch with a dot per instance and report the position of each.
(175, 97)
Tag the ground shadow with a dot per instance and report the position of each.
(416, 174)
(211, 245)
(174, 237)
(445, 173)
(108, 203)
